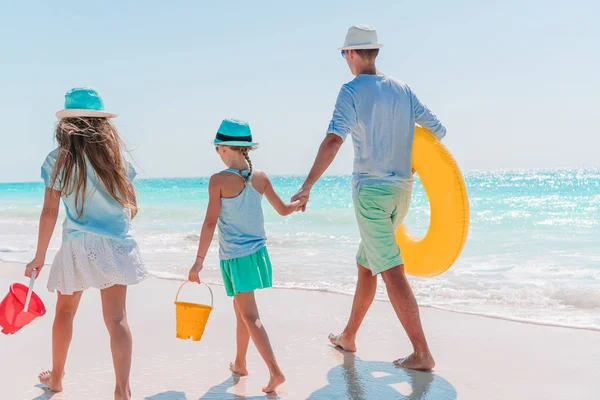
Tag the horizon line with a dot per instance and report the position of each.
(466, 171)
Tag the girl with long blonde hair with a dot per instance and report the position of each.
(89, 173)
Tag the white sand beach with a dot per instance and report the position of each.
(477, 357)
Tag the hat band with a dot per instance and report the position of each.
(227, 138)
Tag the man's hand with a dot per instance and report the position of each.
(300, 204)
(327, 152)
(303, 195)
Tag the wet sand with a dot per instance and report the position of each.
(477, 357)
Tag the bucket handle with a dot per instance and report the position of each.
(29, 291)
(209, 289)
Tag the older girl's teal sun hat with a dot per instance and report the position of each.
(234, 132)
(83, 102)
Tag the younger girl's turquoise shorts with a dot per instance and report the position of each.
(245, 274)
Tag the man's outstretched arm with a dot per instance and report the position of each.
(342, 123)
(327, 152)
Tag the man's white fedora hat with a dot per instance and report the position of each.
(361, 37)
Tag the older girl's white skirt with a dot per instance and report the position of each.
(95, 261)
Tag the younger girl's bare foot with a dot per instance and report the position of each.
(238, 369)
(53, 384)
(341, 341)
(123, 395)
(274, 383)
(419, 362)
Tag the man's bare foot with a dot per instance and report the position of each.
(274, 383)
(341, 341)
(238, 369)
(419, 362)
(46, 379)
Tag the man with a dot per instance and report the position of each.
(380, 113)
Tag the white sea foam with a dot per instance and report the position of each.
(12, 250)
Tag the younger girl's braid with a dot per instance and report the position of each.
(245, 151)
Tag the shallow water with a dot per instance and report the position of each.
(532, 254)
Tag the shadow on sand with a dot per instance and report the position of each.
(217, 392)
(48, 394)
(170, 395)
(356, 379)
(353, 379)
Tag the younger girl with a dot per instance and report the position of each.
(89, 173)
(235, 207)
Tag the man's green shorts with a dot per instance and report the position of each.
(380, 210)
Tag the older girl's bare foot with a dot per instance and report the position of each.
(341, 341)
(417, 361)
(238, 369)
(53, 384)
(274, 383)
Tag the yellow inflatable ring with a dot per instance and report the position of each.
(449, 224)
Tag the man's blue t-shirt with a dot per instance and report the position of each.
(380, 113)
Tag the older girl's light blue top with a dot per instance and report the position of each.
(102, 214)
(241, 222)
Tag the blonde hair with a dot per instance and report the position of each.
(245, 150)
(96, 140)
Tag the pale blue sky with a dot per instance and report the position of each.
(515, 82)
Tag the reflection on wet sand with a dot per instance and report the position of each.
(362, 380)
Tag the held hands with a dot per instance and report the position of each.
(300, 204)
(36, 265)
(303, 196)
(194, 274)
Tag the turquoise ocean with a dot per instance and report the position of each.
(533, 251)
